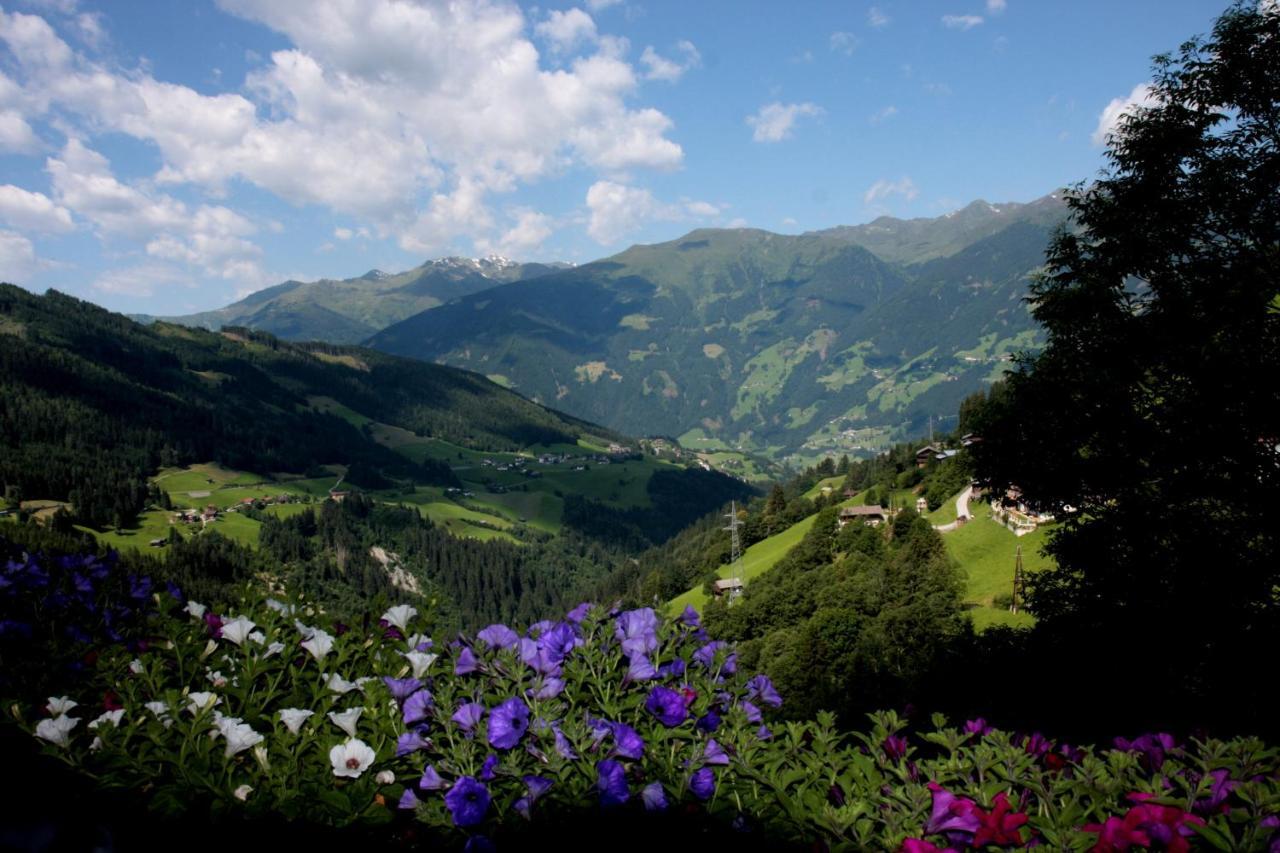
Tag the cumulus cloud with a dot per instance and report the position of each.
(565, 30)
(616, 210)
(844, 42)
(525, 237)
(32, 211)
(877, 18)
(883, 189)
(455, 99)
(661, 68)
(17, 257)
(1109, 121)
(773, 122)
(961, 22)
(995, 7)
(140, 281)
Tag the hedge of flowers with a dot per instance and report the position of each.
(265, 708)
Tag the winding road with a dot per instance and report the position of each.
(962, 511)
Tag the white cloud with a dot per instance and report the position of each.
(343, 233)
(995, 7)
(1109, 120)
(883, 189)
(454, 98)
(737, 222)
(16, 136)
(597, 5)
(31, 211)
(877, 18)
(844, 42)
(616, 210)
(670, 70)
(961, 22)
(141, 281)
(17, 257)
(525, 237)
(565, 30)
(883, 115)
(773, 122)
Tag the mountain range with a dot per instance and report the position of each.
(786, 346)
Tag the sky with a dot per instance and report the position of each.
(164, 158)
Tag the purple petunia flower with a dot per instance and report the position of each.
(563, 746)
(467, 801)
(611, 782)
(730, 665)
(486, 770)
(689, 617)
(418, 706)
(673, 669)
(408, 800)
(1037, 744)
(637, 631)
(468, 715)
(640, 669)
(1217, 799)
(550, 688)
(479, 844)
(627, 742)
(410, 742)
(537, 629)
(577, 614)
(714, 753)
(401, 688)
(1152, 746)
(763, 733)
(977, 726)
(655, 799)
(752, 712)
(508, 723)
(667, 705)
(466, 662)
(703, 783)
(430, 780)
(709, 721)
(499, 637)
(537, 785)
(955, 817)
(761, 687)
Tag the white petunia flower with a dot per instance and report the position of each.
(161, 710)
(415, 639)
(238, 629)
(95, 745)
(240, 736)
(258, 637)
(347, 720)
(338, 684)
(200, 700)
(217, 679)
(112, 717)
(135, 666)
(61, 705)
(242, 793)
(196, 609)
(319, 644)
(293, 718)
(363, 680)
(304, 630)
(385, 777)
(352, 758)
(273, 649)
(209, 648)
(260, 756)
(56, 730)
(400, 615)
(420, 661)
(280, 607)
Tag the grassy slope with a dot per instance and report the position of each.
(985, 550)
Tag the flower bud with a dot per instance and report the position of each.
(260, 753)
(242, 793)
(385, 777)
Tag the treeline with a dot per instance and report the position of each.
(91, 404)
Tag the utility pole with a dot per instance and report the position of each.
(1018, 591)
(735, 544)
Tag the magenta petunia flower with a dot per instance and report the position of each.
(952, 816)
(977, 726)
(895, 747)
(611, 782)
(467, 801)
(507, 723)
(667, 706)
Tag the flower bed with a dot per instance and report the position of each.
(264, 709)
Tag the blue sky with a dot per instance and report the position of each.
(167, 157)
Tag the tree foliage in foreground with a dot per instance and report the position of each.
(1148, 421)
